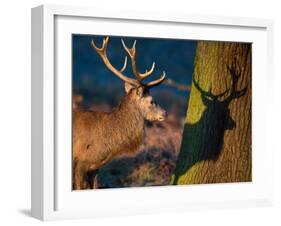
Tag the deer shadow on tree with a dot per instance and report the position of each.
(204, 140)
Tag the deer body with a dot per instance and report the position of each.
(100, 136)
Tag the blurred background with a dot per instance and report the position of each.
(96, 88)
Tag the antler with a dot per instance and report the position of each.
(234, 93)
(234, 77)
(102, 53)
(140, 76)
(207, 93)
(132, 54)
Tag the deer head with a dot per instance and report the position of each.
(216, 117)
(219, 108)
(136, 89)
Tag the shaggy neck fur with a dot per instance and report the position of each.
(129, 125)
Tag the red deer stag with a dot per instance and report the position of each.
(99, 136)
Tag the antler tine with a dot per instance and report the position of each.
(208, 93)
(140, 76)
(196, 84)
(124, 66)
(148, 72)
(102, 53)
(103, 47)
(234, 76)
(157, 81)
(132, 53)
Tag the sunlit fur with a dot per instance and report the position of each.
(99, 136)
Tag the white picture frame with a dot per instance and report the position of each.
(52, 197)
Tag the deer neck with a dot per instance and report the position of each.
(130, 124)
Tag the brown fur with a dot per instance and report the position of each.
(99, 136)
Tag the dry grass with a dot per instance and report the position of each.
(152, 165)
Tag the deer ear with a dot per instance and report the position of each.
(140, 91)
(128, 87)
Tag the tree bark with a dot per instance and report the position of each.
(217, 140)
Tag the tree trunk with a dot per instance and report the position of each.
(217, 140)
